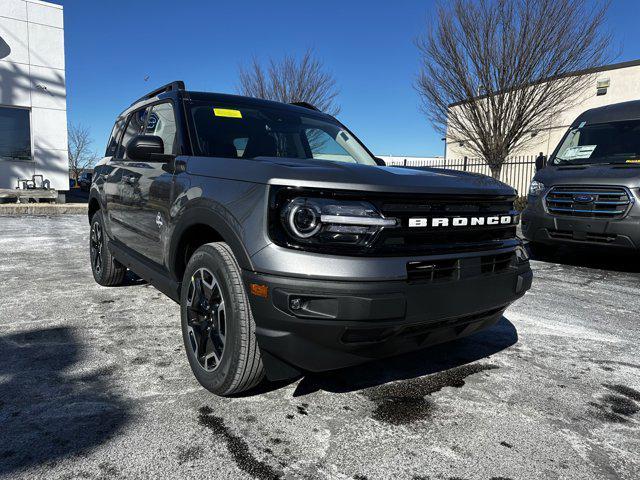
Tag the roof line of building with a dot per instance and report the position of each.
(586, 71)
(44, 3)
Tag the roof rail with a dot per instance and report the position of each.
(305, 105)
(177, 85)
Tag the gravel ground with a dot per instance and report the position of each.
(94, 383)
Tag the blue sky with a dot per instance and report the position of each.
(111, 46)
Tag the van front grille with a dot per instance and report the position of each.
(588, 201)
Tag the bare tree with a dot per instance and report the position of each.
(486, 68)
(291, 80)
(81, 156)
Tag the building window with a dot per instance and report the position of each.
(15, 134)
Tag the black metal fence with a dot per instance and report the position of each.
(517, 171)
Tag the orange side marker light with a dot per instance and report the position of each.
(259, 290)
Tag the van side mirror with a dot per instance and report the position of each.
(141, 147)
(380, 162)
(541, 161)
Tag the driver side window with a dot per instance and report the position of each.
(135, 127)
(162, 123)
(324, 147)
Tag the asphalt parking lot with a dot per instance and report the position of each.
(94, 383)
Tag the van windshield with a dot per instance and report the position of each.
(254, 132)
(615, 142)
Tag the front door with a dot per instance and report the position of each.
(147, 190)
(120, 184)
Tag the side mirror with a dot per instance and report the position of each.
(541, 162)
(142, 147)
(380, 162)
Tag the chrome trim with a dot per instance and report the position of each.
(612, 212)
(583, 190)
(367, 221)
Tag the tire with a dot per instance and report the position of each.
(542, 250)
(217, 324)
(107, 271)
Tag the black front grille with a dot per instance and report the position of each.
(435, 270)
(588, 201)
(461, 268)
(425, 241)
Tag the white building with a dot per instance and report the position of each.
(33, 106)
(615, 83)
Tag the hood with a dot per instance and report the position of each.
(626, 175)
(347, 176)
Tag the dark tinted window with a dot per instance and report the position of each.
(162, 123)
(112, 145)
(134, 127)
(15, 134)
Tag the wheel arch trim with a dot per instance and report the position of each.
(210, 218)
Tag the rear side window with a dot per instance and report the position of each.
(162, 123)
(112, 145)
(134, 127)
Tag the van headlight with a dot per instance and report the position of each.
(536, 188)
(326, 223)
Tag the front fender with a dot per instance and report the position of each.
(212, 218)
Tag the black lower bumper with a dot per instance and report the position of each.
(558, 230)
(319, 325)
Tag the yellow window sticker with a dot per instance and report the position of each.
(227, 112)
(633, 161)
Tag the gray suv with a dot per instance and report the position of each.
(288, 245)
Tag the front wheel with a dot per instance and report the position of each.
(217, 325)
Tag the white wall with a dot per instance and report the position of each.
(32, 75)
(624, 86)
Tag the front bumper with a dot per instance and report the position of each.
(540, 226)
(344, 323)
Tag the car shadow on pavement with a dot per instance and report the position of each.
(427, 361)
(50, 408)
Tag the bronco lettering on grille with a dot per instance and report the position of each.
(437, 222)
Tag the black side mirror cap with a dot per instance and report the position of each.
(141, 147)
(380, 162)
(541, 162)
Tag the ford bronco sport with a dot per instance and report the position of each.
(288, 245)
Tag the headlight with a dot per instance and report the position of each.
(303, 219)
(536, 188)
(314, 222)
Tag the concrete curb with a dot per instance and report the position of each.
(43, 208)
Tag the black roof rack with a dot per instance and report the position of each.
(305, 105)
(177, 85)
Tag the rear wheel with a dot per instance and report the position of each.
(217, 325)
(107, 271)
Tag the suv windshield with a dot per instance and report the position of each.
(251, 132)
(615, 142)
